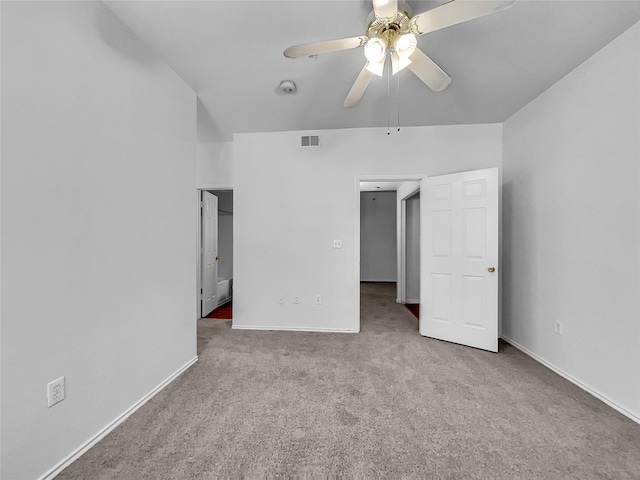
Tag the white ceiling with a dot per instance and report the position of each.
(230, 53)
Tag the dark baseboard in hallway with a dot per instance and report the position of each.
(413, 308)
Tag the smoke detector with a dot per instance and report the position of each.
(288, 86)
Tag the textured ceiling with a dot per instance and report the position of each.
(230, 53)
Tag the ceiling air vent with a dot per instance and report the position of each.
(310, 141)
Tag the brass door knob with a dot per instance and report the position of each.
(218, 258)
(491, 269)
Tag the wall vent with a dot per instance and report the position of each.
(310, 141)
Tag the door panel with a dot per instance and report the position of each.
(441, 297)
(473, 296)
(460, 293)
(442, 233)
(474, 233)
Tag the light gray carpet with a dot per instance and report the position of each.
(384, 402)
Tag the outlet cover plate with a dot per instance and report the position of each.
(558, 328)
(55, 392)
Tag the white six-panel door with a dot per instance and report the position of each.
(460, 258)
(209, 252)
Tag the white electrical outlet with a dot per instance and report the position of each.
(558, 328)
(55, 392)
(296, 299)
(318, 300)
(337, 244)
(281, 299)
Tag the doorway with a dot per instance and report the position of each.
(411, 254)
(382, 236)
(459, 252)
(215, 259)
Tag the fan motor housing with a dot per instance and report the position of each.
(400, 24)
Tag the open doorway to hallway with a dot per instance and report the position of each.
(389, 221)
(378, 244)
(458, 254)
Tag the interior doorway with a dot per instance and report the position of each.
(382, 235)
(215, 259)
(459, 253)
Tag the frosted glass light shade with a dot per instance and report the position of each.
(405, 45)
(398, 63)
(375, 50)
(376, 68)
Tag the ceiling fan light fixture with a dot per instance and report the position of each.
(376, 68)
(375, 50)
(405, 45)
(398, 63)
(392, 29)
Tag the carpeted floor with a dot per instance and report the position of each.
(385, 402)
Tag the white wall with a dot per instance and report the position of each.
(412, 246)
(290, 203)
(571, 224)
(214, 167)
(378, 243)
(98, 226)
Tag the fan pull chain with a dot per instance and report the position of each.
(388, 91)
(398, 74)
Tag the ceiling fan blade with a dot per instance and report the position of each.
(427, 71)
(385, 8)
(359, 86)
(455, 12)
(324, 47)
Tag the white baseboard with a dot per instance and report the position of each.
(574, 380)
(106, 430)
(293, 329)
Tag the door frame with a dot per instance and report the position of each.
(399, 233)
(402, 244)
(199, 252)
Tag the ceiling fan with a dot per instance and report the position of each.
(391, 33)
